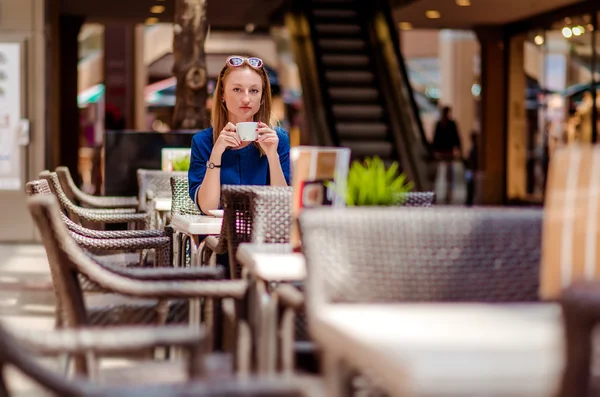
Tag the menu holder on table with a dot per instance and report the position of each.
(318, 179)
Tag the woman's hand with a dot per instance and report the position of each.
(267, 139)
(227, 138)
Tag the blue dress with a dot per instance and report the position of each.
(243, 166)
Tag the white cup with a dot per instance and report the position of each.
(247, 130)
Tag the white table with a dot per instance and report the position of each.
(203, 225)
(196, 227)
(270, 265)
(466, 350)
(162, 204)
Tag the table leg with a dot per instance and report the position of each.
(264, 320)
(338, 377)
(195, 312)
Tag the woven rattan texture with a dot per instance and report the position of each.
(141, 220)
(422, 254)
(82, 198)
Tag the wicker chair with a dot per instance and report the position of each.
(155, 184)
(260, 214)
(422, 255)
(183, 205)
(377, 255)
(83, 199)
(156, 290)
(93, 215)
(19, 351)
(419, 199)
(98, 242)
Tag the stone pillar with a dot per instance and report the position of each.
(24, 21)
(458, 53)
(492, 153)
(516, 161)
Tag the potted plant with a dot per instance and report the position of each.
(181, 163)
(371, 184)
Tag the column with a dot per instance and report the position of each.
(458, 53)
(517, 136)
(141, 80)
(24, 22)
(492, 150)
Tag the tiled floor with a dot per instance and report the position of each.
(26, 300)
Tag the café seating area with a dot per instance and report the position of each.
(408, 300)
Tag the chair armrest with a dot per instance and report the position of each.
(169, 273)
(264, 385)
(116, 234)
(581, 314)
(110, 202)
(111, 340)
(211, 242)
(111, 210)
(122, 243)
(290, 296)
(109, 216)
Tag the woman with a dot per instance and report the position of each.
(219, 157)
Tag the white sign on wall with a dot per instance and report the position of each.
(10, 116)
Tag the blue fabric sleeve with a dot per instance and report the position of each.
(283, 149)
(201, 150)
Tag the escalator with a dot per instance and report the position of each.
(355, 86)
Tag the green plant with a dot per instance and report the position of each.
(370, 183)
(181, 163)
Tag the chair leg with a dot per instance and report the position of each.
(338, 377)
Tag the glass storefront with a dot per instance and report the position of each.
(562, 95)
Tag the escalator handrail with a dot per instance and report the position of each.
(405, 124)
(386, 11)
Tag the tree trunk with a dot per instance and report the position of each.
(189, 67)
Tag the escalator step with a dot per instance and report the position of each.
(358, 112)
(349, 78)
(362, 131)
(348, 29)
(342, 45)
(335, 13)
(353, 94)
(360, 149)
(346, 61)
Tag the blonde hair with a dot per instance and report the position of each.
(219, 109)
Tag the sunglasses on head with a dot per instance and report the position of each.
(236, 61)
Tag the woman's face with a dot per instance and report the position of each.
(242, 93)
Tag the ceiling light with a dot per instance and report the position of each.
(578, 30)
(432, 14)
(151, 21)
(567, 32)
(157, 9)
(463, 3)
(405, 26)
(590, 27)
(539, 40)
